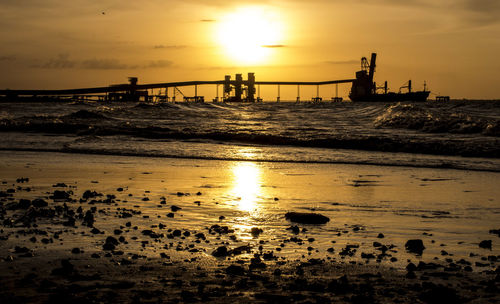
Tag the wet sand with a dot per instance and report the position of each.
(128, 229)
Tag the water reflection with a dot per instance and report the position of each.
(246, 185)
(248, 153)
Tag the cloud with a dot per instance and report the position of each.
(274, 46)
(162, 46)
(62, 61)
(105, 64)
(482, 6)
(158, 64)
(482, 12)
(352, 61)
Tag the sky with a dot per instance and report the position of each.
(452, 45)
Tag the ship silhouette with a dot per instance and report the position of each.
(365, 89)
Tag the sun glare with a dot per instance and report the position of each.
(246, 185)
(249, 35)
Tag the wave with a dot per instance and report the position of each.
(86, 114)
(429, 120)
(464, 129)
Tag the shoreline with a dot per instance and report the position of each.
(167, 219)
(446, 166)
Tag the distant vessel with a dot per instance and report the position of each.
(364, 88)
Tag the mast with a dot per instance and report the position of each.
(372, 66)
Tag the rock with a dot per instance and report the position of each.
(23, 204)
(108, 246)
(255, 231)
(76, 250)
(222, 251)
(486, 244)
(240, 250)
(111, 240)
(495, 231)
(256, 262)
(39, 203)
(235, 270)
(415, 246)
(175, 208)
(295, 229)
(306, 218)
(220, 229)
(176, 232)
(88, 219)
(60, 195)
(380, 236)
(22, 180)
(200, 235)
(18, 249)
(90, 194)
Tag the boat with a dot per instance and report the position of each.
(365, 89)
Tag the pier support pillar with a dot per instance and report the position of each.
(238, 87)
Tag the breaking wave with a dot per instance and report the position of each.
(455, 128)
(432, 120)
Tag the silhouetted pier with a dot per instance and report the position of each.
(363, 88)
(237, 90)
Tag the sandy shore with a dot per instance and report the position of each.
(90, 228)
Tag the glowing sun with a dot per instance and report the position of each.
(249, 35)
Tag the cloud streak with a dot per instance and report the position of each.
(62, 61)
(274, 46)
(337, 62)
(173, 46)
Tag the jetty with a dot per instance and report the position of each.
(234, 90)
(363, 88)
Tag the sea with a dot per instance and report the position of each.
(461, 134)
(407, 170)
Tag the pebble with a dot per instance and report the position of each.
(306, 218)
(255, 231)
(415, 246)
(486, 244)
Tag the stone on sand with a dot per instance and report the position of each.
(306, 218)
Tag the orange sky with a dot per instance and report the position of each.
(59, 44)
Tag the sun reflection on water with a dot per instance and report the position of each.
(246, 185)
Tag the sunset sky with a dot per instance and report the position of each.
(453, 45)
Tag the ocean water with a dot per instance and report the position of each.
(287, 157)
(458, 134)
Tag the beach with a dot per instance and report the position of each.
(107, 228)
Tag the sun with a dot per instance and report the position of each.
(250, 35)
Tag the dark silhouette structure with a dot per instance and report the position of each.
(365, 89)
(237, 90)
